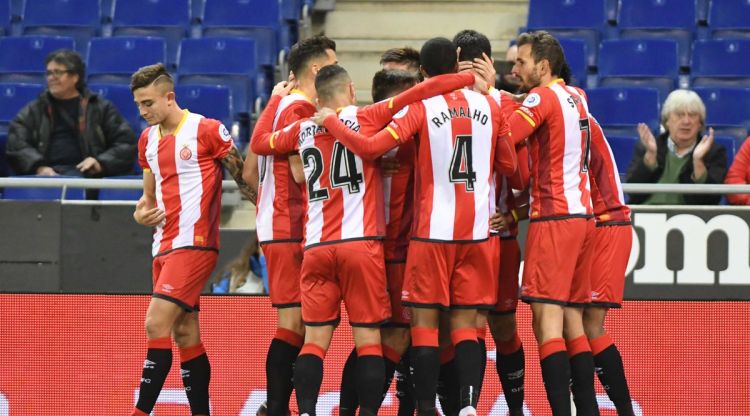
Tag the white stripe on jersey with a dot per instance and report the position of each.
(573, 151)
(190, 180)
(352, 225)
(481, 149)
(152, 156)
(442, 218)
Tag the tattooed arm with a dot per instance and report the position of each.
(233, 163)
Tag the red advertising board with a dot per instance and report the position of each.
(82, 354)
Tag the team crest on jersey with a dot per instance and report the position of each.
(401, 112)
(532, 100)
(224, 133)
(185, 153)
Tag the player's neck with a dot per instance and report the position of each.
(335, 103)
(308, 89)
(170, 124)
(547, 79)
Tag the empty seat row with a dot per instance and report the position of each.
(206, 61)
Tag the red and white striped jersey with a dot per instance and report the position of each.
(187, 171)
(606, 189)
(555, 119)
(281, 204)
(399, 203)
(344, 193)
(457, 135)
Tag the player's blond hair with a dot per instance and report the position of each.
(156, 74)
(683, 100)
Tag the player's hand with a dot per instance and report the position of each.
(45, 171)
(389, 165)
(480, 84)
(519, 98)
(283, 88)
(497, 222)
(321, 115)
(148, 216)
(703, 146)
(89, 165)
(484, 67)
(649, 142)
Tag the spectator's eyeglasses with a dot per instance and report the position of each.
(57, 73)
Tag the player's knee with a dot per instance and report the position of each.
(503, 327)
(397, 339)
(157, 327)
(291, 319)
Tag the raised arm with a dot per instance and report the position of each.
(368, 148)
(264, 125)
(505, 156)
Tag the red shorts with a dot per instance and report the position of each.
(510, 264)
(284, 262)
(353, 271)
(180, 275)
(611, 248)
(456, 275)
(558, 261)
(400, 316)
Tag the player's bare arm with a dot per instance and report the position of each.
(250, 171)
(233, 163)
(146, 212)
(298, 172)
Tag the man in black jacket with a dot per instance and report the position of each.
(69, 130)
(679, 155)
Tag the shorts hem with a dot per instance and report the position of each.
(199, 248)
(378, 324)
(426, 305)
(614, 224)
(562, 217)
(333, 322)
(613, 305)
(529, 299)
(176, 301)
(482, 306)
(430, 240)
(347, 240)
(391, 324)
(577, 304)
(288, 240)
(286, 305)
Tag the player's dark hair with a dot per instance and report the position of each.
(306, 50)
(438, 56)
(72, 61)
(405, 55)
(156, 74)
(545, 46)
(387, 83)
(472, 44)
(331, 80)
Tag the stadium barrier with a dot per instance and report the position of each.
(82, 354)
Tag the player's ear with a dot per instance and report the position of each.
(171, 97)
(422, 71)
(352, 92)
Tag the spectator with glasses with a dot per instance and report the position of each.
(69, 130)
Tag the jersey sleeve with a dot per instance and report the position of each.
(520, 178)
(264, 125)
(380, 113)
(400, 130)
(216, 138)
(282, 141)
(739, 173)
(530, 114)
(142, 142)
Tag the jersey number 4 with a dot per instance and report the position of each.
(344, 171)
(462, 168)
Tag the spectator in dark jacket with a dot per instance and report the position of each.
(679, 155)
(69, 130)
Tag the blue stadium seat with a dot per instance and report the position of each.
(212, 101)
(79, 19)
(575, 55)
(4, 17)
(730, 144)
(721, 62)
(121, 194)
(113, 60)
(729, 19)
(221, 61)
(255, 19)
(639, 62)
(571, 18)
(22, 58)
(44, 194)
(122, 98)
(726, 106)
(701, 10)
(671, 19)
(169, 19)
(622, 148)
(3, 163)
(13, 97)
(624, 107)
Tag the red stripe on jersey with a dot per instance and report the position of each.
(463, 221)
(400, 204)
(585, 145)
(207, 230)
(423, 189)
(606, 190)
(170, 190)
